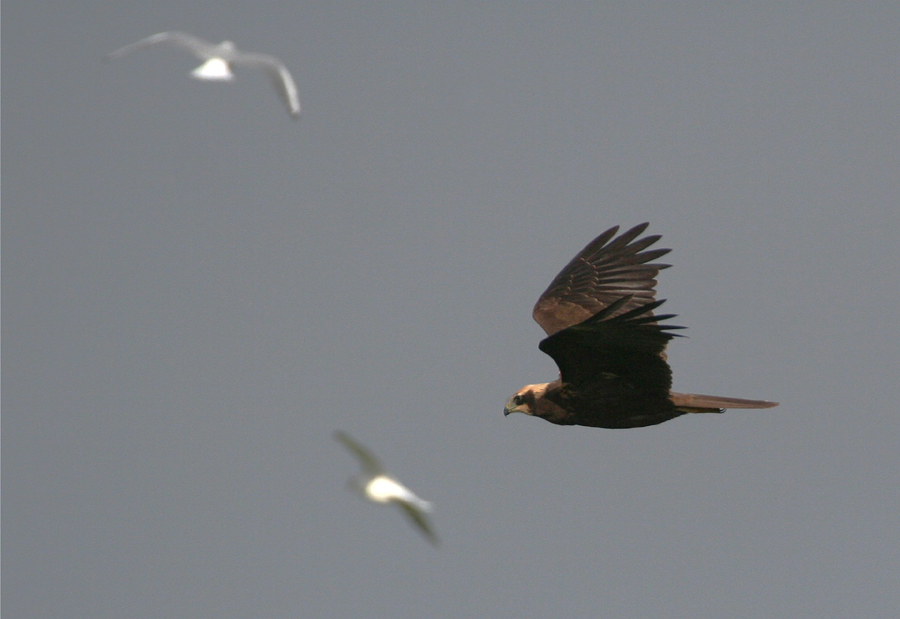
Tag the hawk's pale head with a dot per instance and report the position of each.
(524, 399)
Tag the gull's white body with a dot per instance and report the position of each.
(219, 58)
(379, 487)
(214, 69)
(384, 489)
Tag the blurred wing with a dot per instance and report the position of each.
(615, 346)
(196, 46)
(602, 273)
(419, 520)
(369, 462)
(279, 76)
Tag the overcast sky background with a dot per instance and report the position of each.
(198, 291)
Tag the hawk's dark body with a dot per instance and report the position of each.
(610, 348)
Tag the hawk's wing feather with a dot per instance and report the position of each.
(605, 271)
(612, 345)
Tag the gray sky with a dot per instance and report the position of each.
(198, 292)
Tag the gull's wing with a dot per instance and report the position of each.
(279, 76)
(369, 462)
(419, 520)
(200, 48)
(602, 273)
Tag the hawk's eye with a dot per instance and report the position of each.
(518, 400)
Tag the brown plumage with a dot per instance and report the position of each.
(608, 344)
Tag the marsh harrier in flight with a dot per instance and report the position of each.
(608, 344)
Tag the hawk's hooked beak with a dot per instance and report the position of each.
(512, 407)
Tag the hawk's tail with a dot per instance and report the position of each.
(699, 403)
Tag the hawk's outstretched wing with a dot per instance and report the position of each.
(615, 346)
(604, 272)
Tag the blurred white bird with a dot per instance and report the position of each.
(218, 61)
(377, 486)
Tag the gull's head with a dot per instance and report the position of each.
(358, 484)
(524, 399)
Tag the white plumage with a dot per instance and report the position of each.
(379, 487)
(219, 58)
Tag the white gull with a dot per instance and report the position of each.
(219, 58)
(379, 487)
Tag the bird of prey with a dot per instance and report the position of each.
(608, 344)
(219, 60)
(379, 487)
